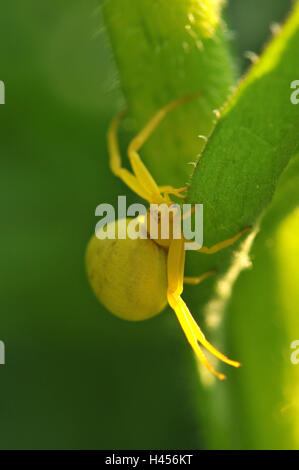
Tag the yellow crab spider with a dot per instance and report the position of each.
(134, 279)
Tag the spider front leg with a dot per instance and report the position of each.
(194, 335)
(115, 160)
(142, 182)
(138, 166)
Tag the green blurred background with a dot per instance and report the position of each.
(75, 376)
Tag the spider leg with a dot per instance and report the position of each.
(141, 182)
(115, 160)
(171, 190)
(175, 266)
(196, 280)
(224, 244)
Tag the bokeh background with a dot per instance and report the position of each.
(75, 376)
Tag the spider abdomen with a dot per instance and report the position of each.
(129, 277)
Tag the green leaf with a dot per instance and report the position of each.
(255, 138)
